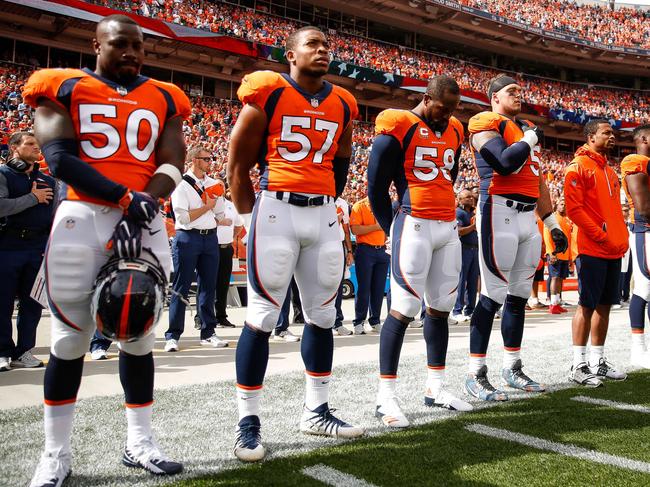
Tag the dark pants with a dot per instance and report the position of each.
(223, 280)
(371, 266)
(99, 342)
(467, 282)
(19, 270)
(292, 297)
(193, 254)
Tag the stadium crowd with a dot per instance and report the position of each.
(626, 105)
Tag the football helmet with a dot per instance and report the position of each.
(128, 297)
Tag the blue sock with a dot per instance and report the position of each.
(62, 379)
(512, 321)
(480, 326)
(136, 376)
(637, 312)
(390, 345)
(317, 349)
(436, 336)
(252, 356)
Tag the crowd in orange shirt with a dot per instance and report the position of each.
(626, 105)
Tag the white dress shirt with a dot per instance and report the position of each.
(225, 233)
(185, 198)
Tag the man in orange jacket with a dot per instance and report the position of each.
(592, 196)
(558, 263)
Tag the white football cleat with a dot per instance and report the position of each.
(52, 469)
(248, 446)
(446, 400)
(147, 455)
(321, 421)
(391, 414)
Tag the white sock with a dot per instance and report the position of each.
(248, 402)
(555, 299)
(435, 381)
(596, 352)
(475, 363)
(317, 390)
(638, 342)
(138, 420)
(387, 388)
(579, 355)
(57, 423)
(510, 357)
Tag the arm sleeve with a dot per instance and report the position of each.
(341, 166)
(574, 198)
(385, 156)
(62, 156)
(11, 206)
(502, 158)
(454, 169)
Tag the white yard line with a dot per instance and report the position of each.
(563, 449)
(333, 477)
(612, 404)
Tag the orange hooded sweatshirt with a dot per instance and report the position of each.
(593, 202)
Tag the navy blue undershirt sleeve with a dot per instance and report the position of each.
(385, 157)
(502, 158)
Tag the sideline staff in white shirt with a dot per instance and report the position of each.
(195, 249)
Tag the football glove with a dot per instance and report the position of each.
(538, 131)
(140, 207)
(560, 241)
(126, 241)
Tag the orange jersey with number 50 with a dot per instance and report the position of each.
(634, 164)
(117, 127)
(303, 131)
(524, 181)
(429, 158)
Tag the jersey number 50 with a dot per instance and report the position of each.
(425, 158)
(88, 125)
(288, 135)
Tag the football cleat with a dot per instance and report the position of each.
(321, 421)
(147, 455)
(52, 469)
(606, 370)
(516, 379)
(479, 386)
(391, 414)
(581, 374)
(248, 446)
(640, 359)
(446, 400)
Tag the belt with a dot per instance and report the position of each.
(225, 246)
(297, 199)
(382, 247)
(25, 233)
(208, 231)
(521, 207)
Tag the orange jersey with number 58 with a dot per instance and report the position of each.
(303, 131)
(429, 158)
(117, 127)
(524, 181)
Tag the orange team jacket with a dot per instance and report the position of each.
(634, 164)
(593, 203)
(362, 215)
(525, 181)
(428, 160)
(117, 127)
(565, 225)
(303, 131)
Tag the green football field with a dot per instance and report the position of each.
(586, 444)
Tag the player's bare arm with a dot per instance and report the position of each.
(637, 186)
(480, 139)
(245, 142)
(171, 150)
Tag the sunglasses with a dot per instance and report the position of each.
(206, 159)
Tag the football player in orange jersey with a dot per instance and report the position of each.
(634, 171)
(298, 127)
(512, 188)
(114, 137)
(418, 150)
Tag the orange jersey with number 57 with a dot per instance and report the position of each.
(525, 181)
(303, 131)
(117, 127)
(429, 158)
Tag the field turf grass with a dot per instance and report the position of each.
(446, 453)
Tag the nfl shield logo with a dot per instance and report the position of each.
(315, 102)
(121, 91)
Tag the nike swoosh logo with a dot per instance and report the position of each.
(330, 224)
(153, 233)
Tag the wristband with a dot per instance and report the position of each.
(550, 222)
(170, 171)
